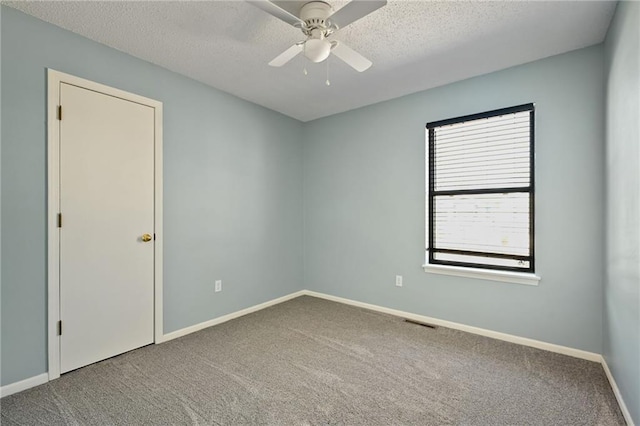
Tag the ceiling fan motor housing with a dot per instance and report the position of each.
(315, 14)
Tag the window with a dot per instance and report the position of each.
(480, 190)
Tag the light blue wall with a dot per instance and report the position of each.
(365, 202)
(234, 207)
(622, 285)
(232, 188)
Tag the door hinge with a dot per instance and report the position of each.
(59, 328)
(59, 220)
(59, 112)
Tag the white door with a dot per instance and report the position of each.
(107, 205)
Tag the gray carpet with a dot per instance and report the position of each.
(311, 361)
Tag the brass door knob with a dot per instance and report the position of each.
(146, 238)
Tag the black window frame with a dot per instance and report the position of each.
(432, 193)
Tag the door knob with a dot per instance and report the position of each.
(146, 237)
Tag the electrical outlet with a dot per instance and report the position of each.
(218, 286)
(398, 280)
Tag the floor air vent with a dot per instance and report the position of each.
(424, 324)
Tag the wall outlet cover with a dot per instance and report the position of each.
(398, 280)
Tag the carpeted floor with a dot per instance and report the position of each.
(311, 361)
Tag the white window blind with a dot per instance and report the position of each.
(480, 190)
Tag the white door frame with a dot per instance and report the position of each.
(54, 79)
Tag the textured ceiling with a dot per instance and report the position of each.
(414, 45)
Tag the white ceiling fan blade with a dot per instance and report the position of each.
(286, 56)
(351, 57)
(355, 10)
(277, 11)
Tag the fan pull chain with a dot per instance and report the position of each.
(328, 83)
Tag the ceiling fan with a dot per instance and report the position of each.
(318, 21)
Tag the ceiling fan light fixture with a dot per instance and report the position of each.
(317, 50)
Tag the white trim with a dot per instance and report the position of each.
(228, 317)
(577, 353)
(590, 356)
(614, 386)
(25, 384)
(54, 78)
(483, 274)
(46, 377)
(53, 238)
(158, 261)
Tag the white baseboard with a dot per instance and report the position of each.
(44, 378)
(614, 386)
(577, 353)
(25, 384)
(228, 317)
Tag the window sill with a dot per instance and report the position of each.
(483, 274)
